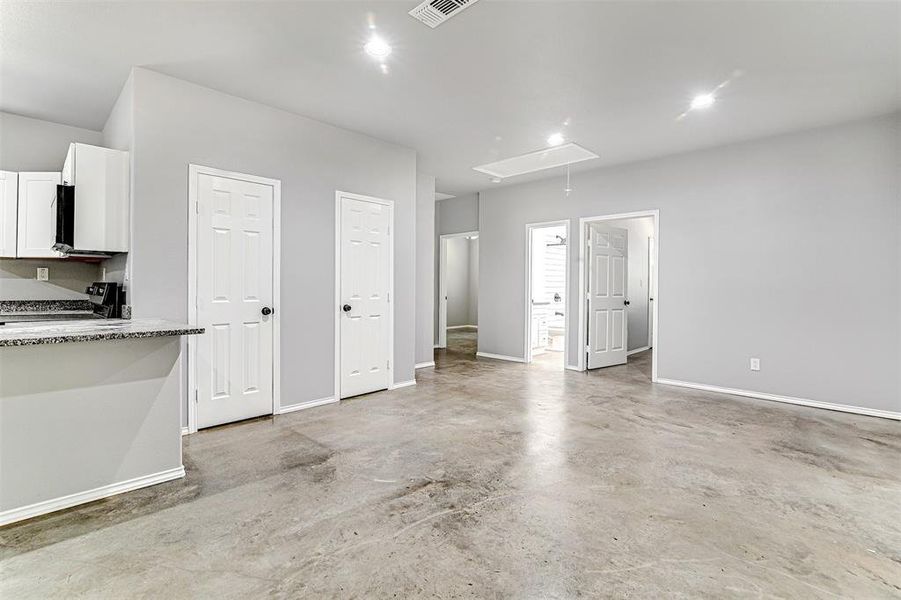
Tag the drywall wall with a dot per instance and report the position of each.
(473, 287)
(425, 268)
(458, 282)
(177, 123)
(637, 278)
(34, 145)
(67, 279)
(760, 246)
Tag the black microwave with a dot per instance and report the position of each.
(65, 218)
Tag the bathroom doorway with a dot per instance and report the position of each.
(546, 293)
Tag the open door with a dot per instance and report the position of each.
(608, 249)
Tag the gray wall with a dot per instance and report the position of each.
(34, 145)
(177, 123)
(764, 250)
(638, 278)
(425, 268)
(457, 282)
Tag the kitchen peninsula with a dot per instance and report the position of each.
(88, 409)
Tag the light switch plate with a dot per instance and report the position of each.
(755, 364)
(43, 274)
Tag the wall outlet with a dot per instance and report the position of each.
(43, 274)
(755, 364)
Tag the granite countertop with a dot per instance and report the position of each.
(58, 332)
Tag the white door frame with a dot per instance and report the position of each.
(194, 171)
(527, 342)
(583, 289)
(337, 308)
(442, 283)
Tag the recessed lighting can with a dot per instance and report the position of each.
(376, 47)
(702, 101)
(555, 139)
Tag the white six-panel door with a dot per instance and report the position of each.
(364, 296)
(234, 285)
(607, 295)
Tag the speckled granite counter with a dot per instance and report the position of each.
(58, 332)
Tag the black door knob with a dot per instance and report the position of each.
(626, 302)
(266, 311)
(346, 308)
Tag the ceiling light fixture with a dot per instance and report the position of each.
(702, 101)
(376, 47)
(555, 139)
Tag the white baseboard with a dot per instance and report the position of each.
(304, 405)
(48, 506)
(463, 327)
(425, 365)
(402, 384)
(858, 410)
(573, 368)
(637, 350)
(185, 430)
(500, 357)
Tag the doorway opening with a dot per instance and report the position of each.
(458, 295)
(547, 314)
(618, 298)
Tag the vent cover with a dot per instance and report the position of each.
(435, 12)
(539, 160)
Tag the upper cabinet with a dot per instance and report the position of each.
(98, 212)
(37, 215)
(9, 194)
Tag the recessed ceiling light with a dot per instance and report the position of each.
(702, 101)
(555, 139)
(376, 47)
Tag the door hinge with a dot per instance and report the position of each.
(388, 365)
(587, 347)
(196, 396)
(197, 208)
(389, 296)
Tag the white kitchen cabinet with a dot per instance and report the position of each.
(100, 209)
(9, 198)
(37, 215)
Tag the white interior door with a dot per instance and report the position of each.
(442, 293)
(607, 295)
(37, 215)
(364, 296)
(234, 291)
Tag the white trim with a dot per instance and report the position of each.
(304, 405)
(442, 285)
(583, 324)
(462, 327)
(527, 341)
(424, 365)
(500, 357)
(337, 299)
(858, 410)
(637, 350)
(436, 347)
(194, 171)
(573, 368)
(185, 430)
(105, 491)
(402, 384)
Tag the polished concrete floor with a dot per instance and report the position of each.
(497, 480)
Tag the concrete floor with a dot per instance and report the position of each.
(498, 480)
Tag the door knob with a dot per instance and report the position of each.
(346, 308)
(626, 302)
(266, 311)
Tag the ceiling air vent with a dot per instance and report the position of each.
(435, 12)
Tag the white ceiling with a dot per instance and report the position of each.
(492, 82)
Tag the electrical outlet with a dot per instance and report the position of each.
(755, 364)
(43, 274)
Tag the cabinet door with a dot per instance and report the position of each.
(9, 191)
(37, 215)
